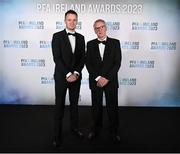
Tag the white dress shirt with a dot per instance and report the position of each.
(101, 50)
(72, 41)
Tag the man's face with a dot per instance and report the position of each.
(100, 30)
(71, 21)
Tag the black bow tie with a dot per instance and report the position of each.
(73, 34)
(103, 42)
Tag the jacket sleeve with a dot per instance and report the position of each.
(116, 62)
(57, 57)
(90, 67)
(82, 57)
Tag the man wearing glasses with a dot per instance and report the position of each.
(103, 61)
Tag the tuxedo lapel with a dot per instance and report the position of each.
(67, 42)
(97, 52)
(107, 51)
(76, 44)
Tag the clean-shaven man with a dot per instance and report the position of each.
(103, 61)
(68, 48)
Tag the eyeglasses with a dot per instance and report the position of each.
(98, 28)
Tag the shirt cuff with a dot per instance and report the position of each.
(68, 75)
(77, 73)
(97, 78)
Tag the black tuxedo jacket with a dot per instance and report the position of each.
(108, 67)
(65, 60)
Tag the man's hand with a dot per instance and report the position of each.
(72, 78)
(102, 82)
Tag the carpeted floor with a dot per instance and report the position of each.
(26, 128)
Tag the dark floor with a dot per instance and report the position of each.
(142, 129)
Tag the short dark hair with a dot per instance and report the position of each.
(70, 12)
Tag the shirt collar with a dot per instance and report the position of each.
(68, 31)
(105, 39)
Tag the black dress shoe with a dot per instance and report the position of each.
(78, 133)
(116, 138)
(91, 136)
(57, 143)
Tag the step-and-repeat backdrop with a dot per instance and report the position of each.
(147, 29)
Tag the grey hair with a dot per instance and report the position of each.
(99, 20)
